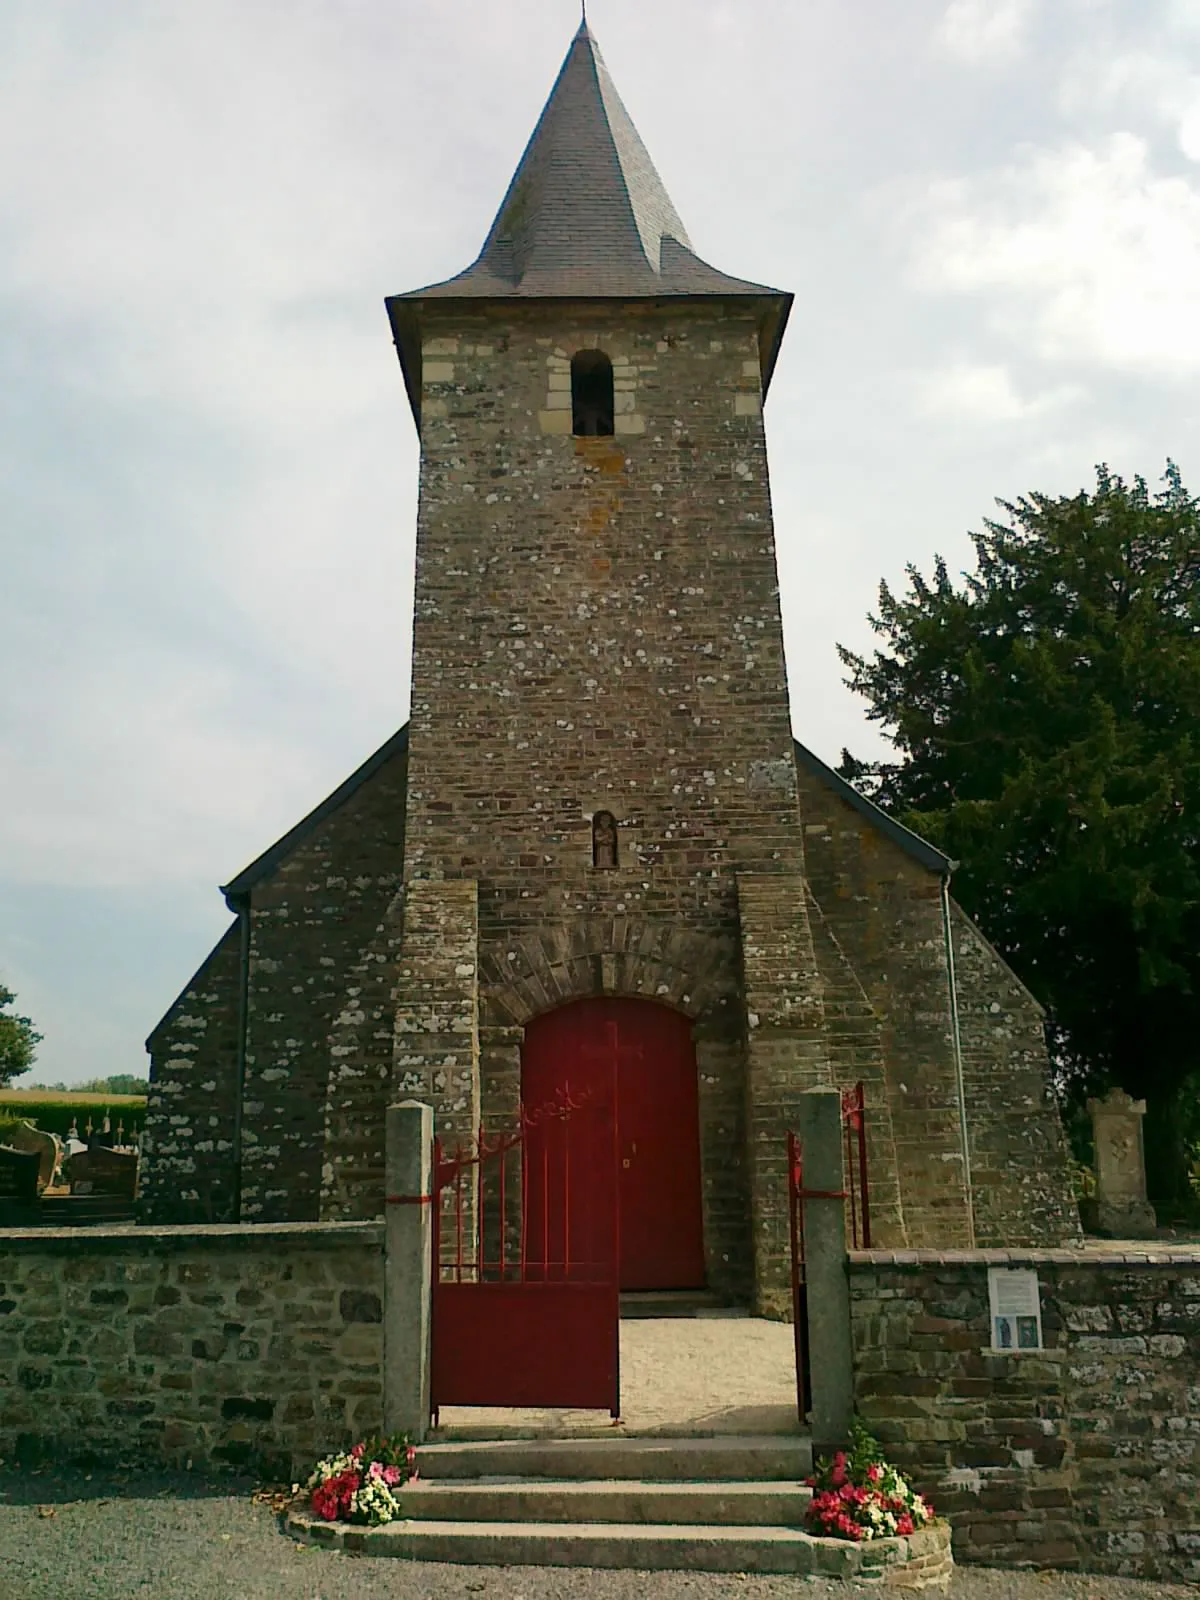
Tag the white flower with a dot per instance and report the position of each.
(330, 1467)
(375, 1502)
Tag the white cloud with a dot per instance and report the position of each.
(1153, 87)
(984, 31)
(1086, 254)
(979, 392)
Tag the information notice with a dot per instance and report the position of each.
(1016, 1306)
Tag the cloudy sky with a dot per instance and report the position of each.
(989, 211)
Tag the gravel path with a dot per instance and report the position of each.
(107, 1536)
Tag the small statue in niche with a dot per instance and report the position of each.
(604, 839)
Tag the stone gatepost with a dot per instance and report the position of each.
(408, 1270)
(1121, 1205)
(829, 1344)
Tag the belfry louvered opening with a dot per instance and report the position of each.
(592, 404)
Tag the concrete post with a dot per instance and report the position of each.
(408, 1270)
(820, 1130)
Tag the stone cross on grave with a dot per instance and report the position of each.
(1122, 1209)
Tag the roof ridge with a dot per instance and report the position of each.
(911, 843)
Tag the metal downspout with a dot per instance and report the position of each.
(959, 1080)
(242, 906)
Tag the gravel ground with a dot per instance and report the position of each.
(106, 1536)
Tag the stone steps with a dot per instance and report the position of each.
(640, 1547)
(651, 1504)
(631, 1501)
(653, 1458)
(674, 1303)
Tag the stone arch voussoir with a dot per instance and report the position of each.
(694, 973)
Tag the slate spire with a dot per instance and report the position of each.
(586, 212)
(586, 217)
(585, 201)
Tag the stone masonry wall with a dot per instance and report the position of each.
(361, 1066)
(437, 1015)
(316, 917)
(596, 628)
(1085, 1454)
(187, 1167)
(258, 1347)
(886, 911)
(1020, 1164)
(786, 1053)
(310, 919)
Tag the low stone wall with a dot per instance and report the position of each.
(1083, 1454)
(253, 1346)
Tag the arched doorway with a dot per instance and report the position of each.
(637, 1056)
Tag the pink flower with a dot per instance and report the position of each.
(391, 1475)
(874, 1474)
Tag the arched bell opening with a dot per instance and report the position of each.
(593, 403)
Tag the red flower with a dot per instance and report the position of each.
(324, 1501)
(874, 1474)
(905, 1524)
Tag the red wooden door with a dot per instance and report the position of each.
(640, 1055)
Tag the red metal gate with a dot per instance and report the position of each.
(857, 1196)
(525, 1290)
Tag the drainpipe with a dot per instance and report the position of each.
(241, 905)
(956, 1042)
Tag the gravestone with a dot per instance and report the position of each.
(1121, 1205)
(45, 1145)
(99, 1170)
(18, 1186)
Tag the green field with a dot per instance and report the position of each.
(55, 1110)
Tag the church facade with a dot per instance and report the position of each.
(595, 856)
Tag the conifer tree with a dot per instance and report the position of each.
(1046, 722)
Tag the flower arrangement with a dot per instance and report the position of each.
(858, 1495)
(364, 1485)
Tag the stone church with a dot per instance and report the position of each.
(596, 854)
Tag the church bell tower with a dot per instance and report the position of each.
(602, 814)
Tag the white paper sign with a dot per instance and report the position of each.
(1016, 1309)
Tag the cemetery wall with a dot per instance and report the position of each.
(259, 1347)
(1083, 1454)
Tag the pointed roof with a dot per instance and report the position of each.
(586, 216)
